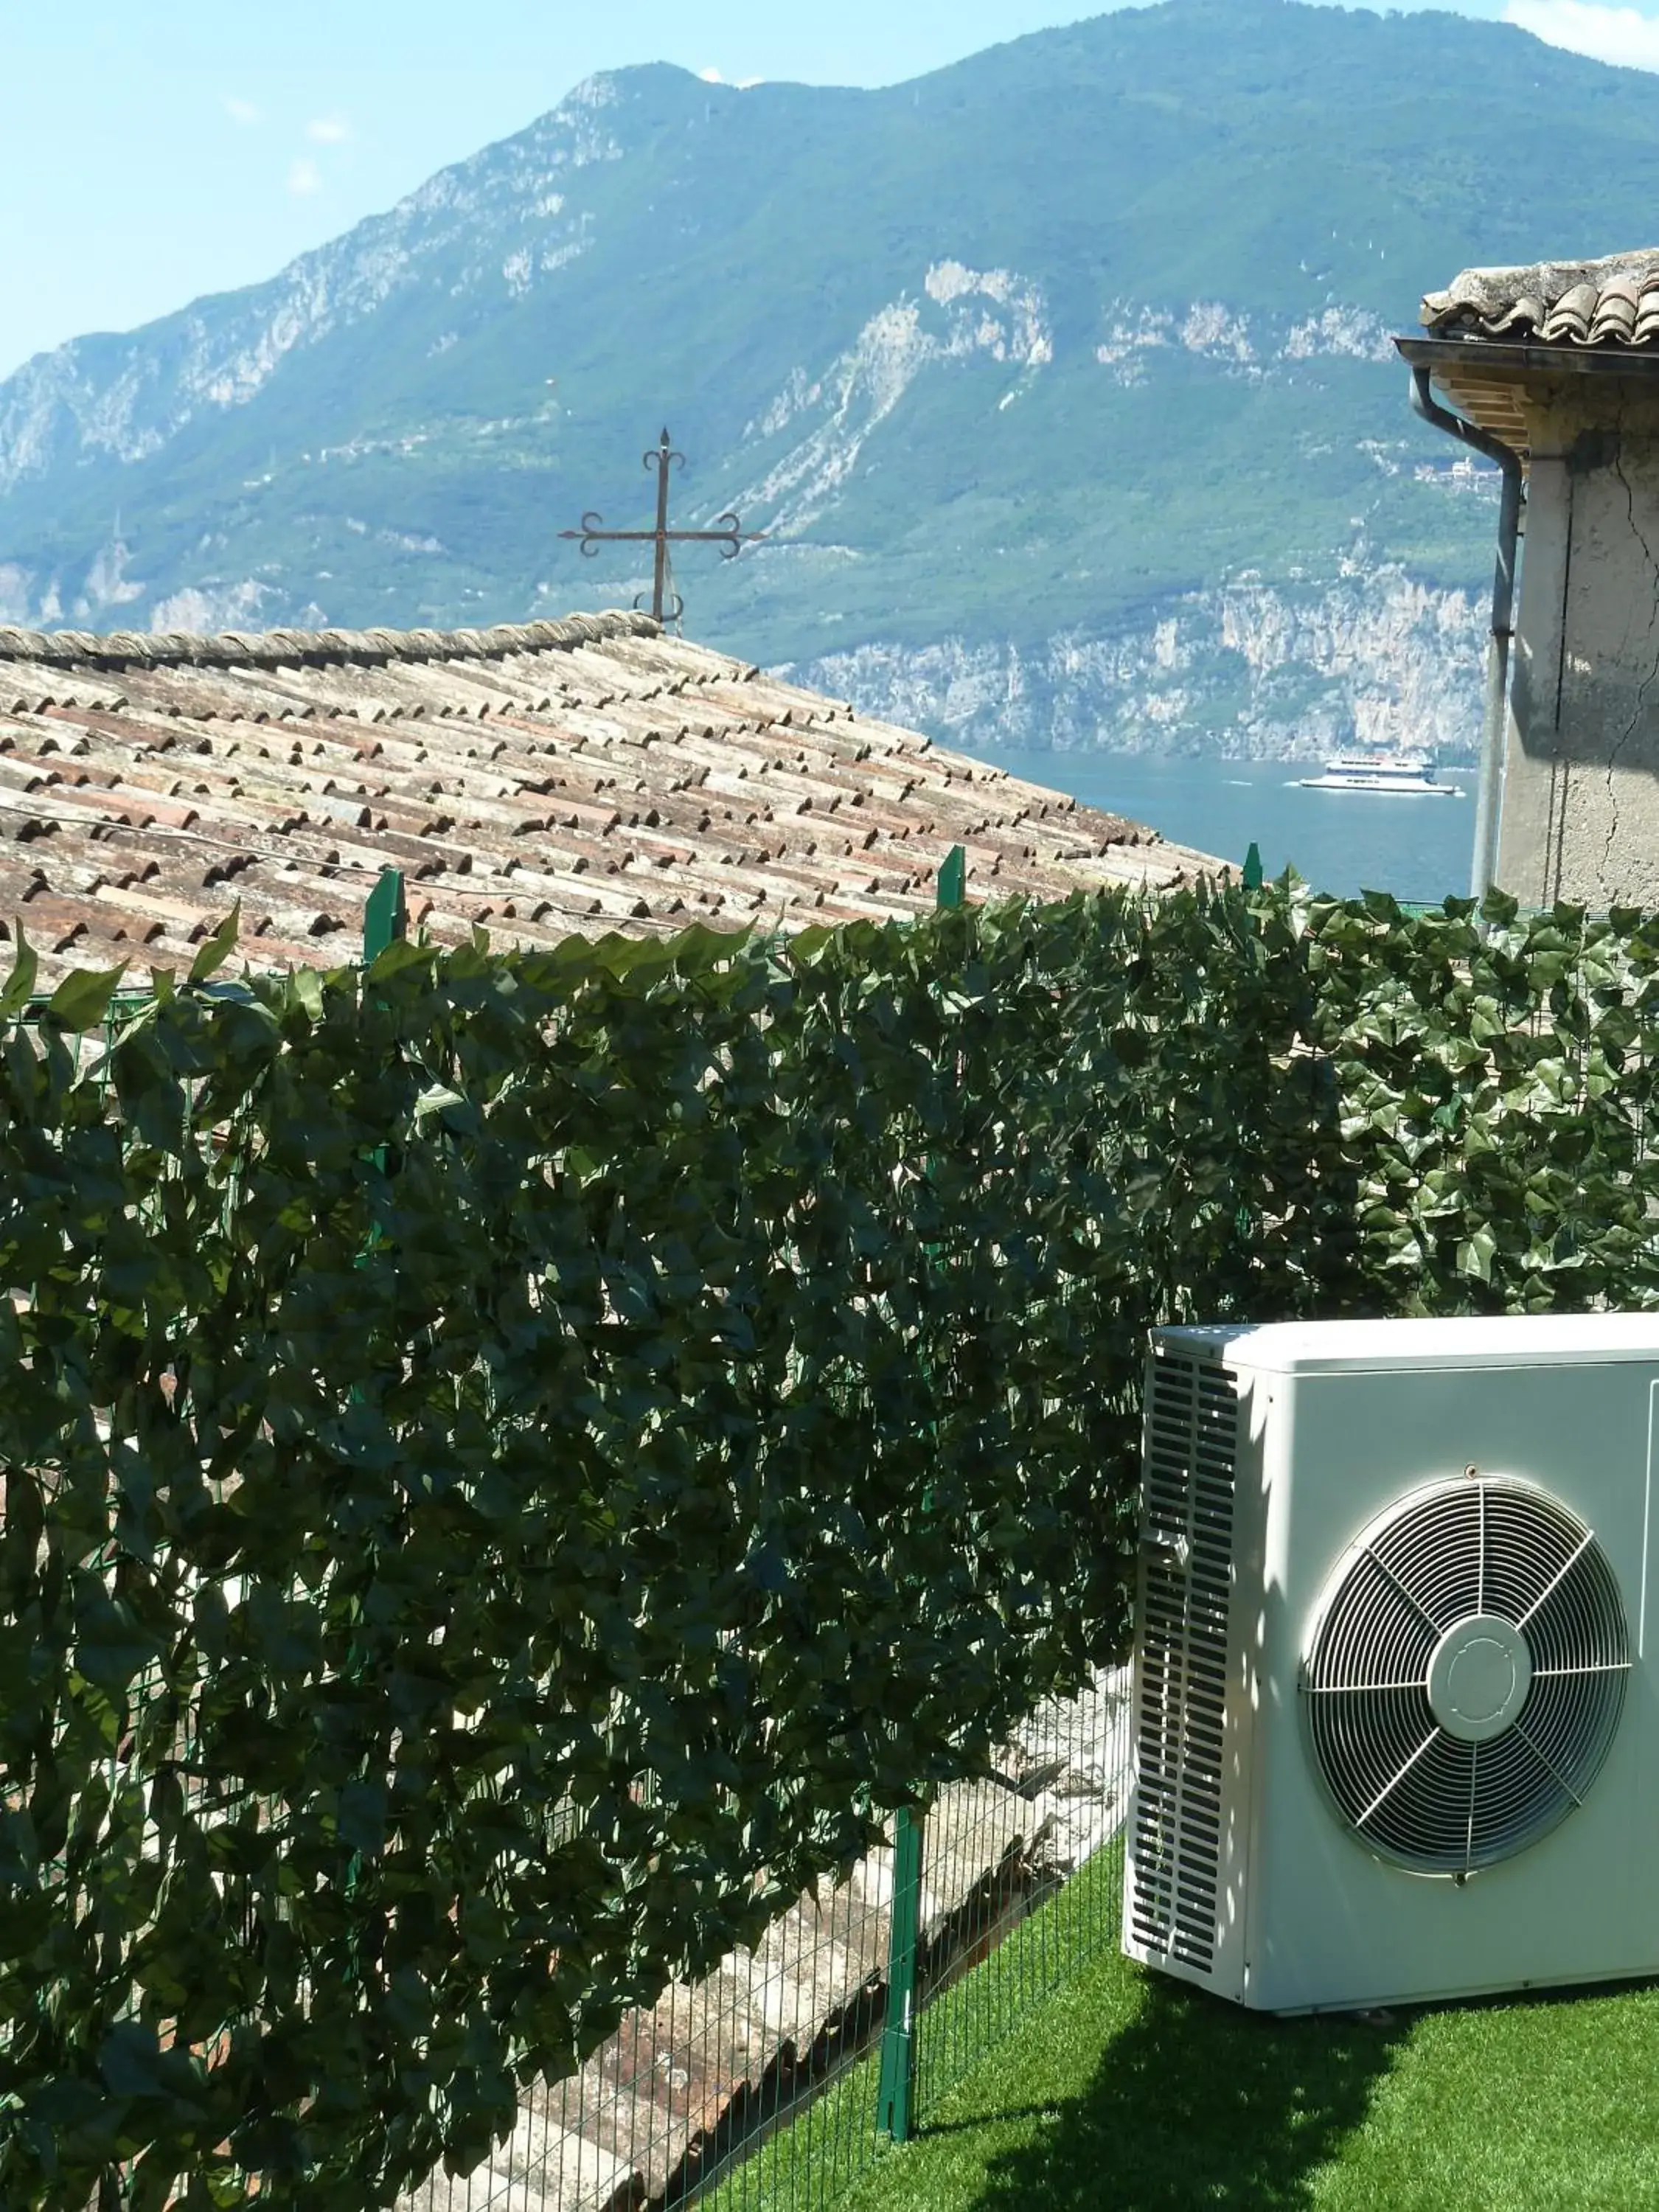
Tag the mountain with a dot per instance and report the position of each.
(1060, 379)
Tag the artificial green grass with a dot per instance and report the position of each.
(1125, 2091)
(805, 2166)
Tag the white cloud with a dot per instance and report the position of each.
(1620, 35)
(241, 111)
(711, 76)
(328, 130)
(304, 179)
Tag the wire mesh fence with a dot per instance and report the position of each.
(768, 2087)
(770, 2083)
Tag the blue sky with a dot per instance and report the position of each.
(151, 155)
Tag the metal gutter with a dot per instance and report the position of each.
(1541, 360)
(1489, 799)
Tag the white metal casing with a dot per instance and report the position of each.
(1241, 1873)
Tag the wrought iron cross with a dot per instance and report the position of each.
(726, 534)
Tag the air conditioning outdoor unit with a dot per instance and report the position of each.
(1396, 1725)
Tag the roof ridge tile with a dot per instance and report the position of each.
(70, 648)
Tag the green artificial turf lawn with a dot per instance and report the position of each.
(1129, 2093)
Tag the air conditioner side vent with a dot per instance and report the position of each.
(1189, 1467)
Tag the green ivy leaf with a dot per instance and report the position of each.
(218, 948)
(82, 999)
(20, 984)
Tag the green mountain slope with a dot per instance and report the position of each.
(1060, 380)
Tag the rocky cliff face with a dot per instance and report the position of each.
(498, 222)
(1254, 669)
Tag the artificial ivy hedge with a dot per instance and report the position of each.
(512, 1464)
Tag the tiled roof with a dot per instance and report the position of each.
(1612, 302)
(583, 775)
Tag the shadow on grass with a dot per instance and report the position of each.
(1197, 2103)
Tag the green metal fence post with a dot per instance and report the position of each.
(385, 917)
(898, 2040)
(895, 2094)
(951, 889)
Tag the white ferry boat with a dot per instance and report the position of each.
(1409, 774)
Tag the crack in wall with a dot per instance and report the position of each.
(1622, 476)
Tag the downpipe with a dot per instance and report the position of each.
(1489, 794)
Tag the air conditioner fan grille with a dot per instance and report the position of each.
(1467, 1674)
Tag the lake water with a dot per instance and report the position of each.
(1340, 840)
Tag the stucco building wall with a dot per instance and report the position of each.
(1581, 788)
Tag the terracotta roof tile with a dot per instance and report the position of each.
(1613, 301)
(53, 924)
(587, 776)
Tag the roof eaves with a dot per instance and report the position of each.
(1526, 355)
